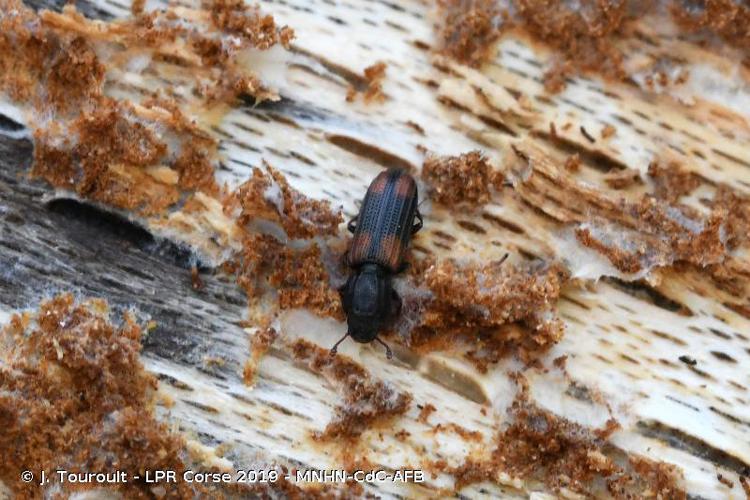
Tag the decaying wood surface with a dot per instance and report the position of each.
(664, 351)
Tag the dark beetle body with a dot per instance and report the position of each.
(382, 233)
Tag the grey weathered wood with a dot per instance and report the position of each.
(53, 245)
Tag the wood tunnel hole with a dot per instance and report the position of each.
(472, 227)
(359, 82)
(510, 226)
(596, 159)
(10, 125)
(98, 225)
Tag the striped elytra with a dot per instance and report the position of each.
(385, 222)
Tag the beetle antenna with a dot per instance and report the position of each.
(336, 345)
(388, 352)
(503, 259)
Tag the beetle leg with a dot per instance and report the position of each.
(388, 352)
(418, 225)
(335, 347)
(352, 226)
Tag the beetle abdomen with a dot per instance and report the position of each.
(385, 222)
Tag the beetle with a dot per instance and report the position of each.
(382, 232)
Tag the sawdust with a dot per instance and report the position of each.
(367, 403)
(581, 34)
(732, 275)
(75, 396)
(238, 18)
(469, 29)
(634, 235)
(664, 235)
(269, 267)
(267, 195)
(260, 343)
(465, 434)
(501, 308)
(425, 412)
(623, 179)
(297, 277)
(585, 35)
(468, 178)
(539, 446)
(573, 163)
(39, 66)
(737, 208)
(671, 181)
(608, 131)
(726, 19)
(103, 147)
(109, 160)
(372, 81)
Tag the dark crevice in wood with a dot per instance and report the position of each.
(100, 220)
(590, 157)
(289, 111)
(510, 226)
(94, 220)
(643, 291)
(163, 377)
(357, 81)
(693, 445)
(732, 158)
(683, 403)
(729, 417)
(85, 7)
(200, 406)
(370, 151)
(11, 125)
(68, 246)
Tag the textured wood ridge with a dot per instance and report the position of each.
(624, 335)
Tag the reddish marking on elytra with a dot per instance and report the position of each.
(360, 246)
(390, 250)
(378, 185)
(405, 187)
